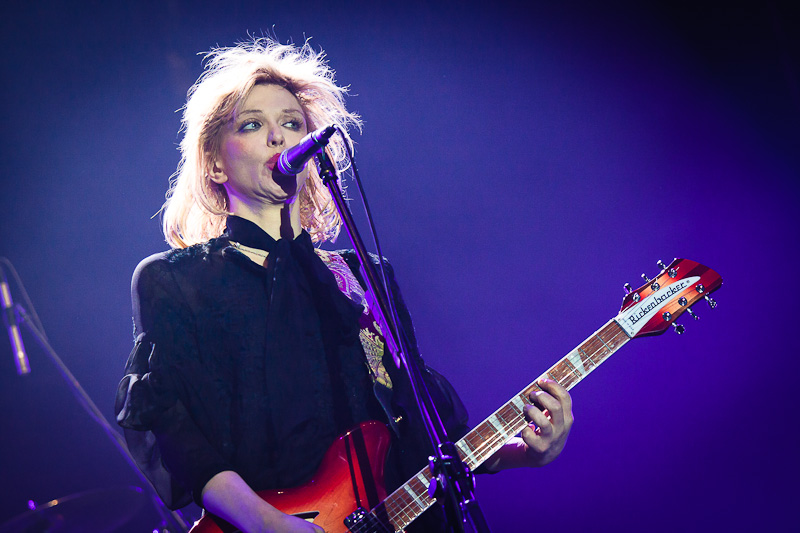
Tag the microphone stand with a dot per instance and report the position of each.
(452, 483)
(90, 407)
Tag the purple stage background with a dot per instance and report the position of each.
(522, 164)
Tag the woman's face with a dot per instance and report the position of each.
(269, 121)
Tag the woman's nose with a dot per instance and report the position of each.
(276, 137)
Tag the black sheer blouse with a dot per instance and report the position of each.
(252, 369)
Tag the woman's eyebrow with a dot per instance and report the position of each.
(260, 112)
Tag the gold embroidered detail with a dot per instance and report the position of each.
(374, 349)
(371, 337)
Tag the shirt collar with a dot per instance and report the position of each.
(249, 234)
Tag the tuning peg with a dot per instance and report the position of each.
(627, 288)
(655, 287)
(678, 328)
(645, 278)
(712, 303)
(688, 310)
(661, 265)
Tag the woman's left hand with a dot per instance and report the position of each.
(550, 415)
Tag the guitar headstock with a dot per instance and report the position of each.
(653, 307)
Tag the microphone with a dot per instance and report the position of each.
(10, 319)
(293, 160)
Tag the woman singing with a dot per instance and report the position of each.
(254, 349)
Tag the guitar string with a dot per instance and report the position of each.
(492, 442)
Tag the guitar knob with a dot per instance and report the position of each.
(627, 288)
(712, 303)
(678, 328)
(688, 310)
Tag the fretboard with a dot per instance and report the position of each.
(402, 506)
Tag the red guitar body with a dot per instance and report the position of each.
(327, 499)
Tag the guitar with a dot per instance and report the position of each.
(347, 494)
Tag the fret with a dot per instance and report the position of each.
(567, 374)
(573, 368)
(603, 343)
(518, 402)
(586, 359)
(410, 500)
(463, 448)
(423, 478)
(492, 421)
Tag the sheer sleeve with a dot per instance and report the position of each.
(151, 401)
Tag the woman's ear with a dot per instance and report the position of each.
(216, 172)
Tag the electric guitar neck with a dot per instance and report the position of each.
(650, 310)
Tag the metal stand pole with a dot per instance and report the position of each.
(90, 407)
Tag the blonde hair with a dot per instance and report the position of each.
(195, 208)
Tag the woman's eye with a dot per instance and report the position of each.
(293, 124)
(250, 125)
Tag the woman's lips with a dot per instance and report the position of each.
(272, 161)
